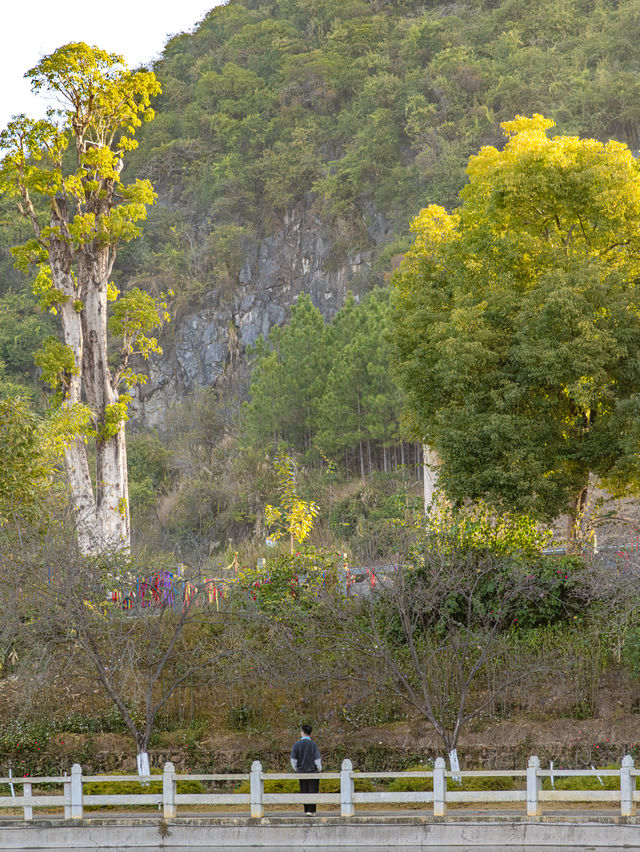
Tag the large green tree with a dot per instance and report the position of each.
(288, 380)
(361, 401)
(27, 462)
(64, 173)
(517, 323)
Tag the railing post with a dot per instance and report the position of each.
(169, 791)
(534, 785)
(76, 791)
(346, 789)
(66, 790)
(256, 786)
(627, 786)
(439, 788)
(26, 792)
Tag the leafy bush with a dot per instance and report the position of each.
(411, 785)
(372, 519)
(122, 788)
(149, 470)
(20, 736)
(30, 737)
(501, 782)
(479, 529)
(288, 580)
(108, 721)
(148, 458)
(585, 782)
(241, 717)
(290, 785)
(375, 712)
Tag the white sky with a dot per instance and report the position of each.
(31, 29)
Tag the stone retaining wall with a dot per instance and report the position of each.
(321, 833)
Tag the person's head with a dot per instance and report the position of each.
(306, 730)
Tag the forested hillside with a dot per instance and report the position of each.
(294, 141)
(362, 108)
(269, 454)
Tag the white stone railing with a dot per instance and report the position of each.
(73, 799)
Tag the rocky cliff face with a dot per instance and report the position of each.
(208, 344)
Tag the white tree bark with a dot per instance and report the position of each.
(143, 764)
(102, 514)
(111, 493)
(90, 213)
(430, 464)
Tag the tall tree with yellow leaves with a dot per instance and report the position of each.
(64, 173)
(517, 324)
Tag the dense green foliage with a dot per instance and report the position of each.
(23, 330)
(369, 106)
(326, 389)
(534, 588)
(517, 323)
(25, 460)
(364, 110)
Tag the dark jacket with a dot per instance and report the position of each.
(305, 756)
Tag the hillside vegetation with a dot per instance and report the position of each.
(365, 108)
(367, 112)
(364, 112)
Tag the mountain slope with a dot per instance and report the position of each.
(295, 140)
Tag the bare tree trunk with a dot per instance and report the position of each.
(574, 520)
(430, 474)
(82, 497)
(362, 473)
(102, 518)
(75, 454)
(111, 493)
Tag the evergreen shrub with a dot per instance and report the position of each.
(585, 782)
(290, 785)
(122, 788)
(410, 785)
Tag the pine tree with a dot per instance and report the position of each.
(288, 381)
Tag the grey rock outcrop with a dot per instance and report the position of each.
(208, 343)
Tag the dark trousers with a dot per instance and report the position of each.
(309, 785)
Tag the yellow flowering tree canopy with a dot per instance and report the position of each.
(64, 174)
(517, 323)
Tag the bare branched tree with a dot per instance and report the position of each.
(438, 634)
(140, 632)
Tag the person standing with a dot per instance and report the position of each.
(305, 757)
